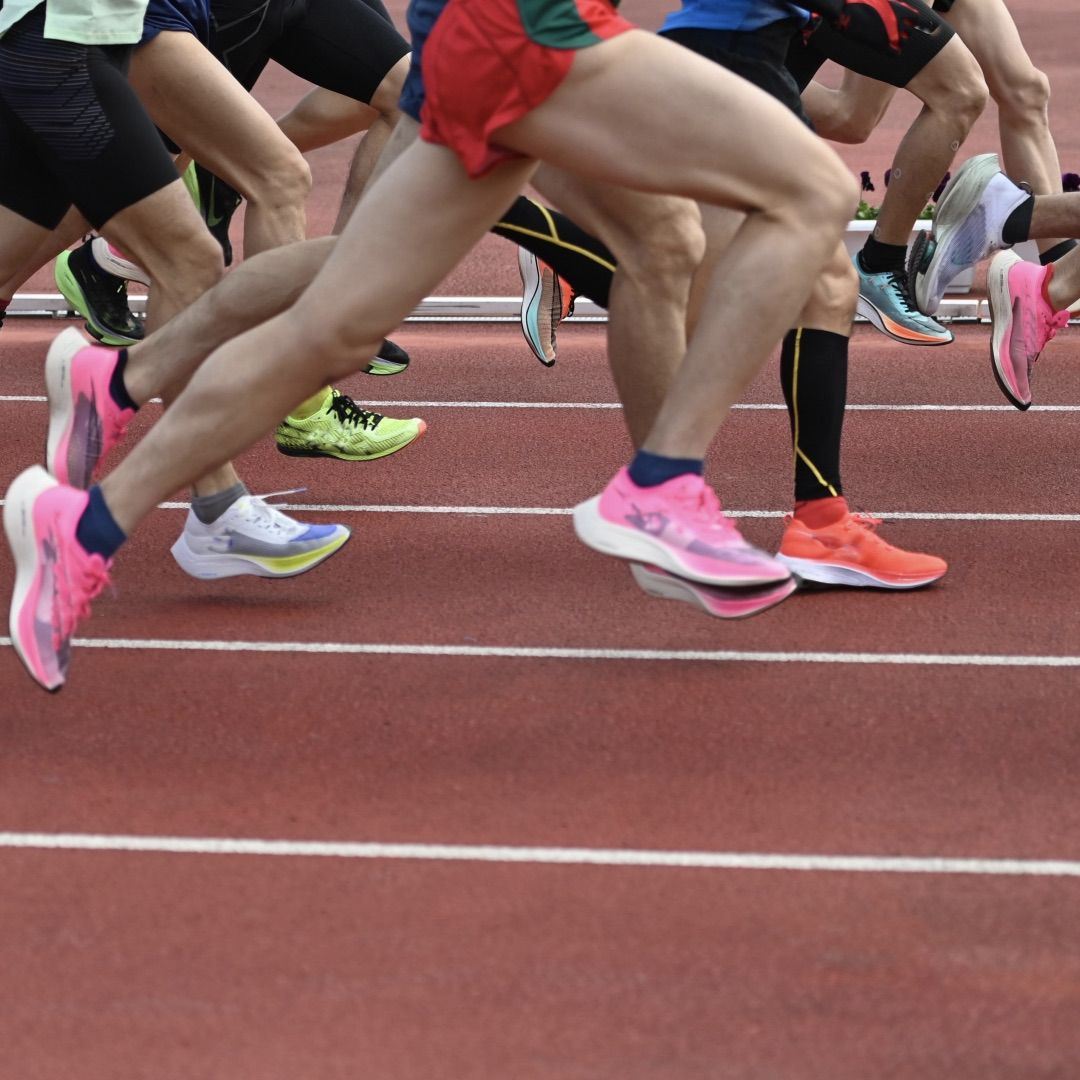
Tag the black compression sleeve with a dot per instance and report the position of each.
(575, 255)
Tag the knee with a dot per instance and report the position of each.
(285, 184)
(853, 129)
(965, 93)
(207, 259)
(191, 265)
(666, 251)
(1024, 99)
(336, 343)
(827, 194)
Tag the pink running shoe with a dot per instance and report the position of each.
(712, 599)
(84, 421)
(677, 526)
(55, 577)
(1022, 321)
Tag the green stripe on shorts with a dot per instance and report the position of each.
(556, 24)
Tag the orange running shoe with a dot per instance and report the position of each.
(850, 552)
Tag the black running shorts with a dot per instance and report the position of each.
(756, 55)
(809, 51)
(348, 46)
(72, 130)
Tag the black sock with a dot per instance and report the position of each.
(97, 530)
(208, 508)
(877, 258)
(813, 375)
(1056, 252)
(575, 255)
(117, 389)
(1018, 224)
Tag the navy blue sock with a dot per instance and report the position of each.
(117, 389)
(97, 531)
(651, 470)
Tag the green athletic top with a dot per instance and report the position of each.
(87, 22)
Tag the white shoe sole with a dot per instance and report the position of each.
(1001, 318)
(211, 567)
(532, 289)
(21, 538)
(867, 310)
(722, 604)
(58, 388)
(624, 543)
(824, 574)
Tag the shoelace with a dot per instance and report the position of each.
(905, 291)
(268, 518)
(75, 588)
(704, 508)
(348, 412)
(867, 521)
(1051, 324)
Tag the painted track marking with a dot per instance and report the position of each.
(760, 406)
(560, 511)
(541, 652)
(558, 856)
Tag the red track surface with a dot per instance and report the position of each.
(121, 965)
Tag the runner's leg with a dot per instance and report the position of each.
(1021, 93)
(280, 363)
(796, 217)
(203, 109)
(658, 243)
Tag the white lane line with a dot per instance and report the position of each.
(763, 406)
(759, 407)
(336, 508)
(559, 511)
(515, 652)
(557, 856)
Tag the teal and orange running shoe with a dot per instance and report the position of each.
(884, 301)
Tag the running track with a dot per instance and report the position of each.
(878, 791)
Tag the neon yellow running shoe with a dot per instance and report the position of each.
(341, 429)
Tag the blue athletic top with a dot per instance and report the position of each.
(733, 15)
(189, 16)
(421, 17)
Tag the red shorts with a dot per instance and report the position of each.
(489, 62)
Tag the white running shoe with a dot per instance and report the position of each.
(253, 537)
(967, 227)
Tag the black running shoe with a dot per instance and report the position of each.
(391, 360)
(218, 202)
(97, 296)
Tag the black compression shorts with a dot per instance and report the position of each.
(347, 46)
(72, 130)
(756, 55)
(809, 51)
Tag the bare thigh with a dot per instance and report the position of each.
(634, 84)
